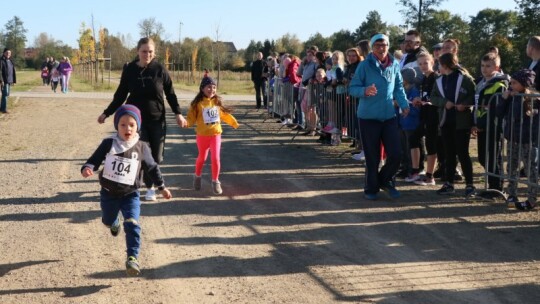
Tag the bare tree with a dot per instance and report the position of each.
(151, 28)
(416, 12)
(218, 49)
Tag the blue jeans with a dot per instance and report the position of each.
(5, 94)
(373, 133)
(130, 206)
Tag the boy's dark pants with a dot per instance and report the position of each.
(130, 206)
(373, 133)
(494, 163)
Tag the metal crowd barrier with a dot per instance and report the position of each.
(511, 141)
(326, 108)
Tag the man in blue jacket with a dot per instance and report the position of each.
(377, 82)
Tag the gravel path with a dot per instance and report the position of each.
(291, 227)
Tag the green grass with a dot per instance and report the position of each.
(230, 83)
(26, 80)
(226, 87)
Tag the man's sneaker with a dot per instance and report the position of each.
(446, 189)
(370, 196)
(390, 188)
(425, 181)
(150, 194)
(470, 191)
(402, 174)
(115, 227)
(512, 201)
(458, 177)
(132, 267)
(412, 178)
(438, 173)
(197, 181)
(526, 205)
(359, 156)
(216, 187)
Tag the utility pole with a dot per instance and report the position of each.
(180, 33)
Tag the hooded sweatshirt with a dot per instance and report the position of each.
(133, 150)
(145, 87)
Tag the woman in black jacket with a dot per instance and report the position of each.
(144, 82)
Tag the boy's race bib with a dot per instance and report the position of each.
(211, 115)
(120, 169)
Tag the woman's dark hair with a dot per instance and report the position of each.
(143, 41)
(363, 46)
(321, 56)
(449, 60)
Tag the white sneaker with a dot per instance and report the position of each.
(150, 194)
(412, 178)
(287, 121)
(359, 156)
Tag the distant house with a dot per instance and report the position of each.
(231, 48)
(29, 53)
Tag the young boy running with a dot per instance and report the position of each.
(124, 156)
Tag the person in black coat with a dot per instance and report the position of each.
(259, 80)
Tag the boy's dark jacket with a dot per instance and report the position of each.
(145, 87)
(485, 102)
(519, 126)
(146, 162)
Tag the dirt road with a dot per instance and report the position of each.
(291, 227)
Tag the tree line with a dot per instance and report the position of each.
(507, 30)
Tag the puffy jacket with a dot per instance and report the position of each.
(389, 85)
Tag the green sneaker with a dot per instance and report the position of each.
(132, 267)
(115, 227)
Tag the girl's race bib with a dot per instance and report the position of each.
(211, 115)
(120, 169)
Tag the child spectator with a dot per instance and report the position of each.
(317, 97)
(55, 78)
(521, 132)
(124, 155)
(409, 124)
(429, 119)
(454, 96)
(207, 112)
(335, 92)
(533, 52)
(353, 59)
(45, 75)
(492, 82)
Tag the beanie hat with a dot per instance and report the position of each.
(329, 61)
(206, 81)
(438, 46)
(128, 109)
(409, 75)
(525, 77)
(378, 37)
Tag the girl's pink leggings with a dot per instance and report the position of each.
(205, 144)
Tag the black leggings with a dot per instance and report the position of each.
(153, 133)
(456, 142)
